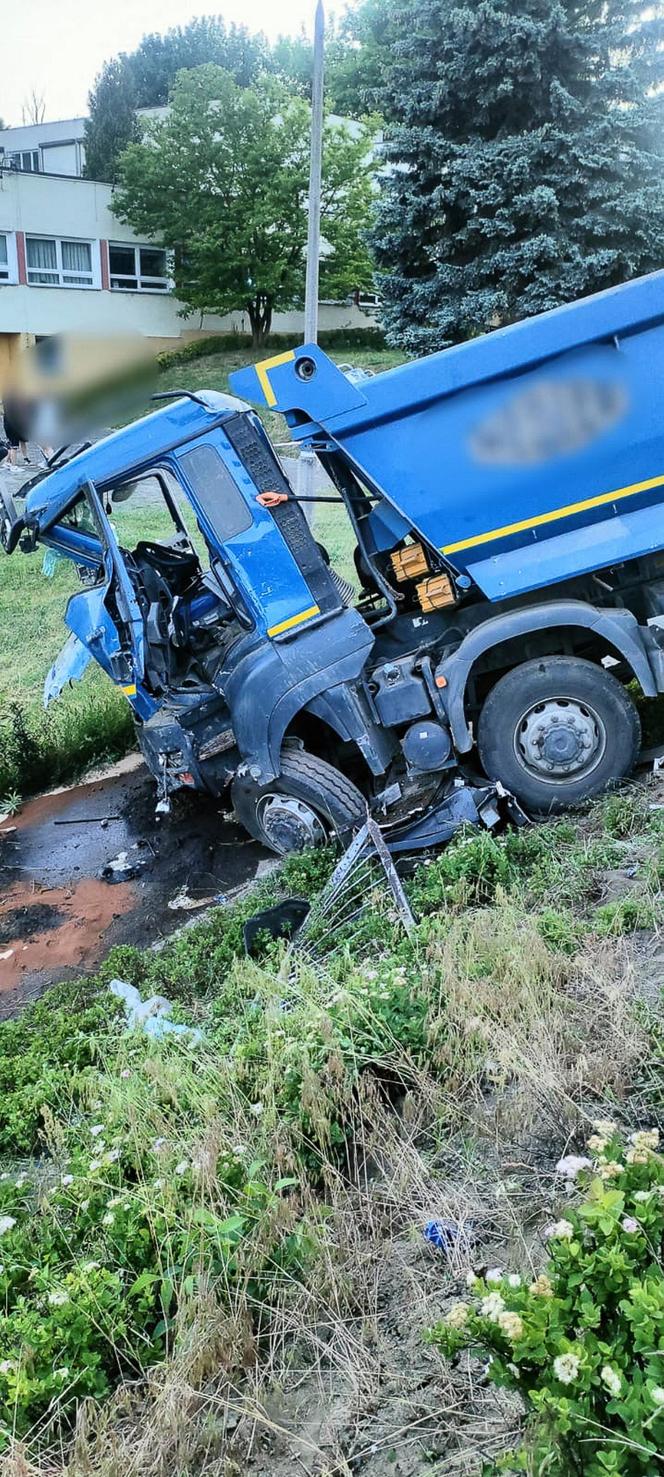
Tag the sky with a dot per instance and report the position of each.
(58, 46)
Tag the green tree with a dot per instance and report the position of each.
(143, 79)
(524, 154)
(222, 181)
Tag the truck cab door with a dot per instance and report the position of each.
(119, 629)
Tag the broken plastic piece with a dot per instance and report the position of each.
(150, 1016)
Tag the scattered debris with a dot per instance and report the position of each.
(364, 881)
(283, 921)
(6, 954)
(122, 868)
(449, 1235)
(87, 820)
(183, 903)
(7, 830)
(151, 1016)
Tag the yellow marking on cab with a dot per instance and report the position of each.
(294, 620)
(566, 512)
(129, 689)
(262, 369)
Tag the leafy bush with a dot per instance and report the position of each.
(221, 343)
(582, 1343)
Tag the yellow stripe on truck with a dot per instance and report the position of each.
(262, 369)
(566, 512)
(129, 689)
(294, 620)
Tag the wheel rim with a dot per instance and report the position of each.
(289, 824)
(560, 739)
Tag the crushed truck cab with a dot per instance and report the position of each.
(506, 502)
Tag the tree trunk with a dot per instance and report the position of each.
(260, 318)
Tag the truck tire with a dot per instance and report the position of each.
(557, 730)
(309, 802)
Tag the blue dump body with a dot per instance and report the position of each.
(506, 505)
(525, 457)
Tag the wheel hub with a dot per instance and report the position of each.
(289, 824)
(560, 738)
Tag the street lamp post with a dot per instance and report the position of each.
(307, 464)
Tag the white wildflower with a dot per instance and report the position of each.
(108, 1219)
(114, 1200)
(566, 1368)
(21, 1180)
(159, 1184)
(562, 1230)
(62, 1372)
(95, 1164)
(572, 1165)
(641, 1195)
(182, 1167)
(84, 1204)
(542, 1287)
(598, 1143)
(7, 1222)
(4, 1175)
(511, 1324)
(605, 1126)
(457, 1317)
(637, 1156)
(611, 1379)
(239, 1149)
(471, 1279)
(125, 1073)
(492, 1306)
(514, 1279)
(256, 1109)
(58, 1297)
(96, 1129)
(67, 1179)
(630, 1224)
(657, 1395)
(646, 1138)
(610, 1169)
(112, 1156)
(493, 1275)
(159, 1144)
(90, 1266)
(6, 1366)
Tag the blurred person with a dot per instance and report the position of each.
(17, 416)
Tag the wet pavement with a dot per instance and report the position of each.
(59, 917)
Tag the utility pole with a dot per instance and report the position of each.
(307, 464)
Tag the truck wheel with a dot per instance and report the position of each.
(305, 805)
(556, 730)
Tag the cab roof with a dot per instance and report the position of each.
(130, 450)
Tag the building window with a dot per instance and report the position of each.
(138, 268)
(8, 263)
(26, 160)
(52, 262)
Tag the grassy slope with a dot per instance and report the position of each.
(250, 1211)
(90, 721)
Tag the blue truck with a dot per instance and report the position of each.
(506, 499)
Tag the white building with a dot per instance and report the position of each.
(45, 148)
(67, 265)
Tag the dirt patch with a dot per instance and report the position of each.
(56, 849)
(23, 922)
(58, 929)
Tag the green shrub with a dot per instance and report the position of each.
(582, 1343)
(221, 343)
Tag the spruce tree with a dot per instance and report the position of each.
(524, 157)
